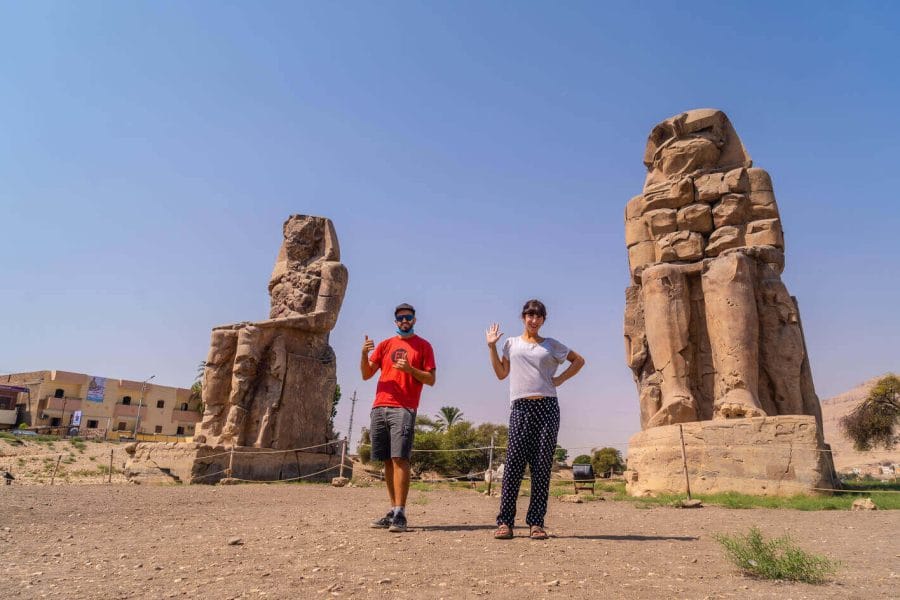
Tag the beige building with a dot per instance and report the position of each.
(102, 405)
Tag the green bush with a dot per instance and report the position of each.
(582, 459)
(775, 559)
(606, 460)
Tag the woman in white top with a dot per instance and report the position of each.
(531, 361)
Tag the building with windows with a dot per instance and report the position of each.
(100, 404)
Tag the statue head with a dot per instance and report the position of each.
(697, 141)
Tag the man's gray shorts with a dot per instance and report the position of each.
(392, 431)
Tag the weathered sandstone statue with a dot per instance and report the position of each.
(711, 332)
(270, 384)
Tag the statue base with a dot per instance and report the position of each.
(151, 462)
(764, 456)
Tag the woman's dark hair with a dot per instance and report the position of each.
(534, 307)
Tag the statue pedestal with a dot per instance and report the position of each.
(764, 456)
(151, 462)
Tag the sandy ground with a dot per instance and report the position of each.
(313, 541)
(33, 463)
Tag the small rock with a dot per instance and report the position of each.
(863, 504)
(553, 583)
(690, 504)
(573, 498)
(339, 482)
(385, 580)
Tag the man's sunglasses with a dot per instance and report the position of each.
(401, 318)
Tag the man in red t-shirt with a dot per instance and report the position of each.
(406, 362)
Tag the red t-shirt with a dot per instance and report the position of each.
(396, 388)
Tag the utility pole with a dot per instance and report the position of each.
(352, 409)
(137, 420)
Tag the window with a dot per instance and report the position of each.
(157, 429)
(59, 393)
(55, 422)
(126, 400)
(180, 430)
(183, 406)
(93, 424)
(160, 404)
(122, 426)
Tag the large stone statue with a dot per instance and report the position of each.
(711, 334)
(270, 384)
(711, 331)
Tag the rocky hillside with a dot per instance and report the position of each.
(845, 457)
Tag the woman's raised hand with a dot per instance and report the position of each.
(493, 334)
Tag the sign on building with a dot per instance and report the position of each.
(96, 389)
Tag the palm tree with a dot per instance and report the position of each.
(449, 415)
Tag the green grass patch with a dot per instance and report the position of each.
(778, 558)
(421, 486)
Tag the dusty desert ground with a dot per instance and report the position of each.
(313, 541)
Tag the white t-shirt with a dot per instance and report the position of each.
(532, 366)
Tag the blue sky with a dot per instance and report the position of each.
(472, 155)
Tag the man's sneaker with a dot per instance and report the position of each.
(384, 522)
(398, 525)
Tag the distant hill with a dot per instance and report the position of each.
(835, 408)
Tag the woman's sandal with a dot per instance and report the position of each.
(503, 532)
(538, 533)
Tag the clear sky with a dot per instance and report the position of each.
(472, 155)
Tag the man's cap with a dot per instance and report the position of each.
(404, 306)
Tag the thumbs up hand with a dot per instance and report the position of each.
(368, 346)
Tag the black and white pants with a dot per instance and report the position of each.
(533, 426)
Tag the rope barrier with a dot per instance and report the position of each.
(307, 476)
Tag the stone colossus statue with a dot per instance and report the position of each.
(270, 384)
(710, 329)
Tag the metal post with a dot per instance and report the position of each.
(490, 466)
(62, 419)
(137, 419)
(109, 477)
(352, 409)
(53, 477)
(343, 457)
(687, 480)
(230, 470)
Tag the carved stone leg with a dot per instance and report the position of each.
(781, 341)
(217, 384)
(731, 319)
(666, 318)
(243, 379)
(276, 362)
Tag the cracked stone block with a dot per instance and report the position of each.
(636, 231)
(737, 181)
(641, 255)
(681, 245)
(710, 187)
(669, 194)
(732, 210)
(763, 205)
(661, 222)
(759, 180)
(766, 232)
(724, 238)
(695, 217)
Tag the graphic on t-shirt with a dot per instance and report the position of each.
(398, 354)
